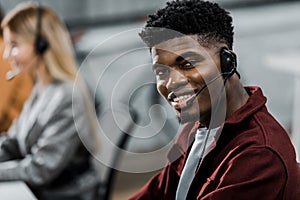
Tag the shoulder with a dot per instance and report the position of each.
(58, 96)
(68, 91)
(64, 88)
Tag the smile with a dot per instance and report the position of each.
(182, 98)
(180, 101)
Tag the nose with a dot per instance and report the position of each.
(176, 80)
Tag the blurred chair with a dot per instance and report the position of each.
(106, 185)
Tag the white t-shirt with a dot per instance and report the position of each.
(198, 150)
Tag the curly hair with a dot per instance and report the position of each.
(206, 19)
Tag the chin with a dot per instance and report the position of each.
(188, 117)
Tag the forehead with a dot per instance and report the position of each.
(170, 49)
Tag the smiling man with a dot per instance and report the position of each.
(230, 147)
(188, 76)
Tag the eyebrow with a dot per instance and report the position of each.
(189, 54)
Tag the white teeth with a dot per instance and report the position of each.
(181, 98)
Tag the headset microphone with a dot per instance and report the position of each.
(190, 101)
(18, 70)
(15, 71)
(12, 74)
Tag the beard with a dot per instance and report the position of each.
(187, 115)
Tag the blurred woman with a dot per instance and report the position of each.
(47, 146)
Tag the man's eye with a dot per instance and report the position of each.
(161, 71)
(186, 65)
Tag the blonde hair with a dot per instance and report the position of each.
(59, 57)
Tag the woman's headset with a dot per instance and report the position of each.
(40, 44)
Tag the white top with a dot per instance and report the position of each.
(197, 152)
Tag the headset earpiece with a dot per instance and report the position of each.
(41, 44)
(228, 63)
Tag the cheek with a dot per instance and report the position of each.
(194, 78)
(204, 98)
(26, 55)
(161, 88)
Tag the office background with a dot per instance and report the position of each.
(112, 60)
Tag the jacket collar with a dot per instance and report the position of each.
(255, 102)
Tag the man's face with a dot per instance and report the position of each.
(182, 67)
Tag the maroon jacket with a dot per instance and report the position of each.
(253, 159)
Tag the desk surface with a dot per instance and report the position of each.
(15, 190)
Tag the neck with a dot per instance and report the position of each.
(237, 96)
(42, 75)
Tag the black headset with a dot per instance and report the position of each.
(40, 44)
(228, 63)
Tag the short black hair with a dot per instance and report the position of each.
(206, 19)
